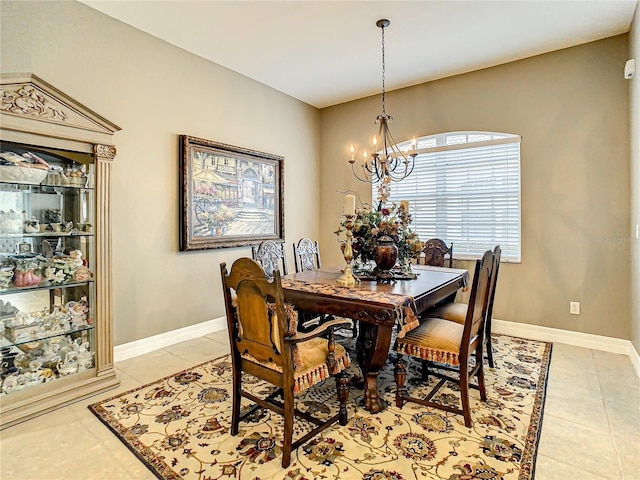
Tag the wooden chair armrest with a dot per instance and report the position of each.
(319, 330)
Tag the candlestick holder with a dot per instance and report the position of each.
(347, 279)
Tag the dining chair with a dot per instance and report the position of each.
(265, 344)
(307, 257)
(270, 255)
(457, 311)
(437, 342)
(435, 250)
(306, 254)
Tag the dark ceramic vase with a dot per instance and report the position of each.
(386, 254)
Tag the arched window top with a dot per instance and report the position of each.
(460, 140)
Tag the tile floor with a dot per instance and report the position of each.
(591, 427)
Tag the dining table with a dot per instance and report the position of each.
(377, 307)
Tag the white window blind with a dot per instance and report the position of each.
(465, 189)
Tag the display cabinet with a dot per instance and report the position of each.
(55, 246)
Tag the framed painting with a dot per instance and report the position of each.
(230, 196)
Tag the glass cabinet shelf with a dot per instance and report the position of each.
(23, 344)
(40, 188)
(42, 286)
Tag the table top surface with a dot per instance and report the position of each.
(380, 303)
(428, 279)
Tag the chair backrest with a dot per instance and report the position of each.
(435, 251)
(307, 255)
(270, 255)
(477, 308)
(497, 252)
(256, 313)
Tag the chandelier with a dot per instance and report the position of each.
(386, 160)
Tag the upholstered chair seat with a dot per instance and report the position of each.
(435, 340)
(311, 366)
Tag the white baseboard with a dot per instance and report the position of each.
(578, 339)
(156, 342)
(535, 332)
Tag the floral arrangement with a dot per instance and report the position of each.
(370, 224)
(217, 220)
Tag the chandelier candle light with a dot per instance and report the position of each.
(391, 162)
(347, 279)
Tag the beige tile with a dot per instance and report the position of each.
(198, 350)
(53, 423)
(586, 412)
(153, 366)
(628, 447)
(52, 446)
(624, 419)
(615, 364)
(221, 336)
(574, 380)
(578, 405)
(572, 359)
(548, 468)
(585, 448)
(620, 390)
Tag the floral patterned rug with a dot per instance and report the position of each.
(179, 427)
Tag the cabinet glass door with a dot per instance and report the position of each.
(47, 252)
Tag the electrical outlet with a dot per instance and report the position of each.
(574, 308)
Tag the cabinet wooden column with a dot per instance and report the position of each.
(104, 304)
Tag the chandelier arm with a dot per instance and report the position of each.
(404, 156)
(377, 171)
(366, 179)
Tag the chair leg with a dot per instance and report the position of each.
(480, 374)
(236, 397)
(424, 370)
(342, 383)
(288, 428)
(487, 335)
(400, 374)
(464, 393)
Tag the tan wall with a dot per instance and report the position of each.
(155, 92)
(572, 109)
(634, 89)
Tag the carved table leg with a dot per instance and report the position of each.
(372, 348)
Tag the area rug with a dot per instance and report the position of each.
(179, 427)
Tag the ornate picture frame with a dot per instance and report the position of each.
(229, 196)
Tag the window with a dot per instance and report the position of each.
(465, 189)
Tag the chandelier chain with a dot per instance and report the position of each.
(383, 74)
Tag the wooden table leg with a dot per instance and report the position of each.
(372, 349)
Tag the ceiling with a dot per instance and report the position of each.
(329, 52)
